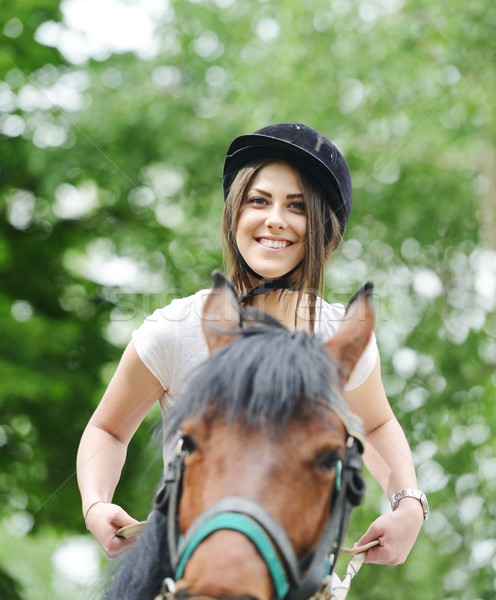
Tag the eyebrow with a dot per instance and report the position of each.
(269, 195)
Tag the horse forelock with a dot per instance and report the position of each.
(260, 379)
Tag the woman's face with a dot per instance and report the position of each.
(272, 222)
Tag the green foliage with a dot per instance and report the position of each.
(9, 587)
(110, 200)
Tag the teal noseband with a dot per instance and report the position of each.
(253, 531)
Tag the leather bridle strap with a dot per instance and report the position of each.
(167, 500)
(346, 496)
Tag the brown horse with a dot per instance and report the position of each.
(267, 467)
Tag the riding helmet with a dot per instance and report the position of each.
(303, 147)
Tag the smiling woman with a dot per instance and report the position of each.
(270, 234)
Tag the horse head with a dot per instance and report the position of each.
(268, 463)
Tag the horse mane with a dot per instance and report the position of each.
(259, 379)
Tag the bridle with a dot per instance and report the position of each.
(292, 578)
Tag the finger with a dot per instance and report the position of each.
(117, 546)
(371, 535)
(131, 530)
(381, 555)
(359, 548)
(373, 555)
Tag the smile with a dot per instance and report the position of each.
(277, 244)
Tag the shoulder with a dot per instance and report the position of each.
(328, 320)
(179, 310)
(174, 323)
(167, 339)
(328, 317)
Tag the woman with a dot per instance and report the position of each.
(288, 198)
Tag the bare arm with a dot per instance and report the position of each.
(389, 460)
(102, 450)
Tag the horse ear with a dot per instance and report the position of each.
(354, 334)
(221, 314)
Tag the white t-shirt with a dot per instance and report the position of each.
(170, 342)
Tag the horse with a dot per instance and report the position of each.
(267, 466)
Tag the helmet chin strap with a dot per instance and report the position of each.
(266, 286)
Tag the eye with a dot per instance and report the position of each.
(189, 444)
(327, 461)
(298, 206)
(257, 201)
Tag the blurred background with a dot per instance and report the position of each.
(114, 119)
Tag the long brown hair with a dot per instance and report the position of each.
(322, 237)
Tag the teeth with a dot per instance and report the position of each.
(273, 243)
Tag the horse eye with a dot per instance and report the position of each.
(327, 461)
(189, 444)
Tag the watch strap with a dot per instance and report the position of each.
(411, 493)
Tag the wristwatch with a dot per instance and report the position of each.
(417, 494)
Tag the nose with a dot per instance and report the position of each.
(275, 219)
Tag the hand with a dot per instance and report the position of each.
(103, 520)
(396, 532)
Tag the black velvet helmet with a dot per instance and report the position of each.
(302, 147)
